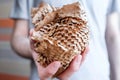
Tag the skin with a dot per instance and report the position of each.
(50, 70)
(113, 44)
(20, 42)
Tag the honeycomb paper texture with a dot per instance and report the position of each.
(60, 33)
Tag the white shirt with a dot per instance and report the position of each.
(96, 65)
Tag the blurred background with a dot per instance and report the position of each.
(12, 67)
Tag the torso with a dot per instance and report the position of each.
(96, 65)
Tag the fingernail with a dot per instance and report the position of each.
(78, 58)
(57, 64)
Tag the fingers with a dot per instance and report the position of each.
(74, 66)
(31, 32)
(31, 41)
(84, 54)
(86, 50)
(49, 71)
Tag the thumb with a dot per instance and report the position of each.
(52, 69)
(31, 32)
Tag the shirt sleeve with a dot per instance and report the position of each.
(114, 6)
(20, 10)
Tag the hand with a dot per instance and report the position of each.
(44, 72)
(47, 72)
(74, 66)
